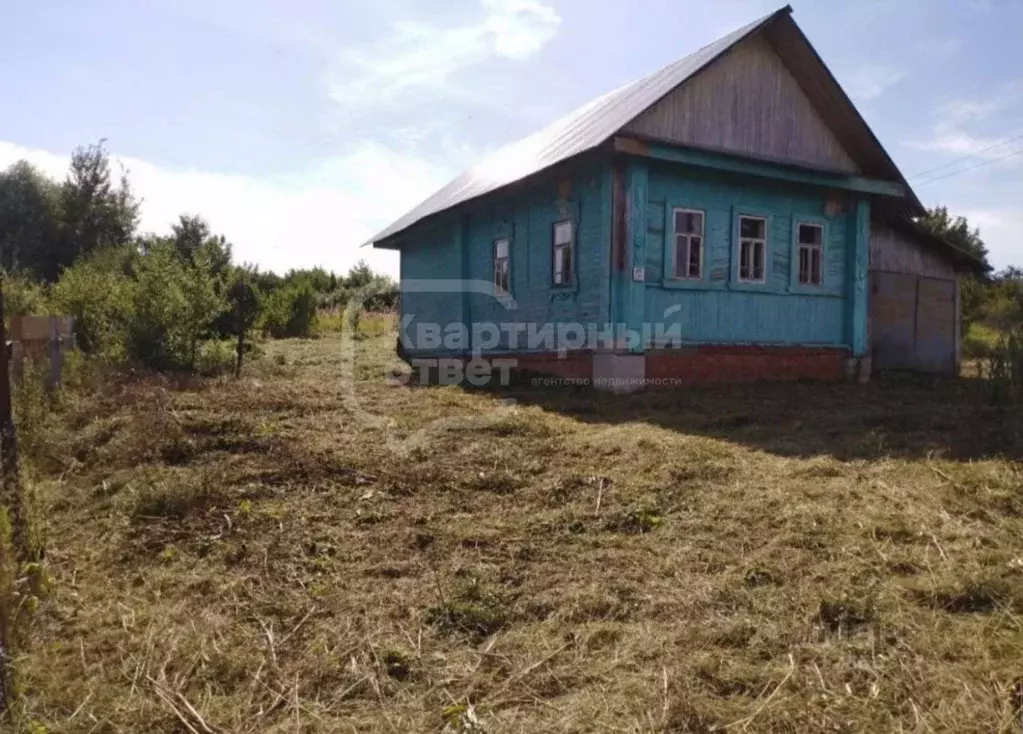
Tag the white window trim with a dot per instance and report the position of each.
(506, 259)
(688, 235)
(801, 246)
(570, 246)
(739, 246)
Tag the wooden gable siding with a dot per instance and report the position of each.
(893, 253)
(746, 102)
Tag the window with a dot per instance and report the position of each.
(563, 245)
(752, 249)
(501, 264)
(811, 247)
(688, 262)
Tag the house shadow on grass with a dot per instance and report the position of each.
(896, 415)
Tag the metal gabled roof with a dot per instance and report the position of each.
(598, 121)
(584, 129)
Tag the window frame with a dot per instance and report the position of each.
(569, 280)
(809, 247)
(507, 264)
(673, 273)
(828, 285)
(738, 248)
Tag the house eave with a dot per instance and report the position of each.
(762, 168)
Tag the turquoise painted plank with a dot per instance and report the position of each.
(859, 255)
(728, 317)
(637, 182)
(601, 254)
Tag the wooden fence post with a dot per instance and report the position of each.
(240, 312)
(56, 355)
(11, 482)
(12, 549)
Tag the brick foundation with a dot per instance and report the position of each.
(702, 364)
(575, 365)
(690, 366)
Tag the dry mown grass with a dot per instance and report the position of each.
(255, 556)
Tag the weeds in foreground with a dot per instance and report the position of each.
(471, 609)
(247, 556)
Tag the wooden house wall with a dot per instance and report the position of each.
(746, 102)
(893, 252)
(526, 217)
(717, 308)
(431, 252)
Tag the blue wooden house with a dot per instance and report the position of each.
(729, 217)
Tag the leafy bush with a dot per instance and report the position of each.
(174, 306)
(22, 296)
(101, 302)
(979, 341)
(158, 313)
(290, 311)
(1001, 370)
(215, 357)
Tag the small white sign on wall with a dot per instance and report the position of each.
(639, 274)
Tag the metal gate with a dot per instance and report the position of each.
(912, 322)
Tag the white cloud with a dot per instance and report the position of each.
(870, 81)
(958, 124)
(1000, 229)
(314, 217)
(425, 55)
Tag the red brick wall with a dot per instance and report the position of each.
(702, 364)
(576, 365)
(746, 363)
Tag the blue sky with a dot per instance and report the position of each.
(299, 128)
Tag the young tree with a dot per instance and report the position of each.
(188, 235)
(204, 302)
(95, 211)
(245, 303)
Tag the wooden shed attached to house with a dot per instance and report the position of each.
(915, 316)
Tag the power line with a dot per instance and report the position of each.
(970, 168)
(966, 157)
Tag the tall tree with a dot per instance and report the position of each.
(96, 211)
(29, 218)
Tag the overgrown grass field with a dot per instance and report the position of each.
(318, 548)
